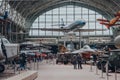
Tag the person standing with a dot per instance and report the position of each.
(75, 61)
(79, 61)
(22, 61)
(94, 58)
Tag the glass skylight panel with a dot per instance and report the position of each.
(69, 13)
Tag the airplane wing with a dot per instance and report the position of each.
(103, 20)
(90, 30)
(67, 30)
(55, 29)
(107, 25)
(18, 33)
(104, 23)
(116, 24)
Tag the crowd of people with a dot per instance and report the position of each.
(77, 61)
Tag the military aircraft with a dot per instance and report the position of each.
(85, 49)
(74, 26)
(7, 52)
(112, 22)
(85, 52)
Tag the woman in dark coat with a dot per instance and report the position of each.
(75, 61)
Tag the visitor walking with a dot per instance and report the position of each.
(75, 61)
(79, 61)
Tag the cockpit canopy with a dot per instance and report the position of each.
(5, 41)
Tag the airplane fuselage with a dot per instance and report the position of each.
(70, 27)
(114, 20)
(75, 25)
(11, 50)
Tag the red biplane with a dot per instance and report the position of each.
(112, 22)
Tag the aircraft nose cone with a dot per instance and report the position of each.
(83, 22)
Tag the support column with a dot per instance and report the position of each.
(79, 39)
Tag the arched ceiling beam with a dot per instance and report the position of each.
(26, 8)
(33, 16)
(32, 9)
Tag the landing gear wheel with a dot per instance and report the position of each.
(2, 68)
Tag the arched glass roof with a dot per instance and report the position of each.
(69, 13)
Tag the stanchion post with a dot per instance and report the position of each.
(37, 65)
(91, 66)
(115, 73)
(90, 63)
(30, 64)
(14, 68)
(19, 70)
(101, 71)
(96, 68)
(34, 63)
(107, 70)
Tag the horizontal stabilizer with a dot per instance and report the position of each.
(106, 24)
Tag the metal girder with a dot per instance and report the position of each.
(33, 16)
(31, 9)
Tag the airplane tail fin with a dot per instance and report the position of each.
(62, 22)
(5, 15)
(108, 27)
(106, 24)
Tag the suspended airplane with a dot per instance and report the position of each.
(112, 22)
(74, 26)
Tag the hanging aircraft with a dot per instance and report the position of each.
(112, 22)
(74, 26)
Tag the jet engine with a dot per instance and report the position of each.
(117, 41)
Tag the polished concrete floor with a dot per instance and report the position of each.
(52, 71)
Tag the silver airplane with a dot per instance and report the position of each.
(75, 26)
